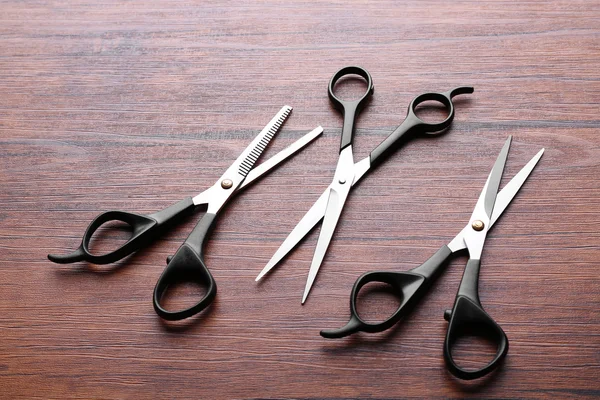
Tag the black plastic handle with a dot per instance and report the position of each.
(409, 286)
(413, 125)
(351, 108)
(187, 265)
(145, 229)
(469, 318)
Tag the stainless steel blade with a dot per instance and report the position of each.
(505, 196)
(510, 190)
(310, 219)
(493, 183)
(272, 162)
(219, 194)
(338, 193)
(306, 224)
(247, 159)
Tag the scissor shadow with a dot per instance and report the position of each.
(188, 323)
(97, 269)
(476, 385)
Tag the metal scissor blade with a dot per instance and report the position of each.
(246, 160)
(338, 193)
(335, 205)
(503, 199)
(510, 190)
(493, 182)
(281, 156)
(306, 224)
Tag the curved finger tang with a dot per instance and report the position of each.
(141, 225)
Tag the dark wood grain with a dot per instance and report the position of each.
(134, 105)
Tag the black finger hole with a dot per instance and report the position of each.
(182, 295)
(377, 301)
(110, 236)
(350, 87)
(432, 111)
(472, 351)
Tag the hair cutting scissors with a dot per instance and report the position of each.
(187, 265)
(347, 173)
(467, 315)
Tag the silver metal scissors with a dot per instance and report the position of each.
(347, 173)
(187, 265)
(467, 316)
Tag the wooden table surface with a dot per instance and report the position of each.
(134, 105)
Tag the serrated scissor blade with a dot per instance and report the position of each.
(248, 158)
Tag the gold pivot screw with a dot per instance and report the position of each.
(477, 225)
(226, 183)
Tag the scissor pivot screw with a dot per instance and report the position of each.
(226, 183)
(477, 225)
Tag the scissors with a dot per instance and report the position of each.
(347, 173)
(187, 265)
(467, 315)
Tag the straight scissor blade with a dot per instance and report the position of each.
(335, 205)
(338, 193)
(493, 182)
(510, 190)
(505, 196)
(281, 156)
(306, 224)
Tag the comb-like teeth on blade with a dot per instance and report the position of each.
(252, 157)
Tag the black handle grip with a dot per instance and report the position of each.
(145, 229)
(409, 286)
(469, 318)
(350, 109)
(187, 265)
(413, 125)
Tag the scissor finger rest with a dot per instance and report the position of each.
(144, 229)
(187, 266)
(413, 125)
(444, 98)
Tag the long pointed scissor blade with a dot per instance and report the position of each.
(335, 205)
(246, 160)
(510, 190)
(281, 156)
(306, 224)
(338, 193)
(493, 182)
(505, 196)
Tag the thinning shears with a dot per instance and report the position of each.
(467, 316)
(330, 204)
(187, 265)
